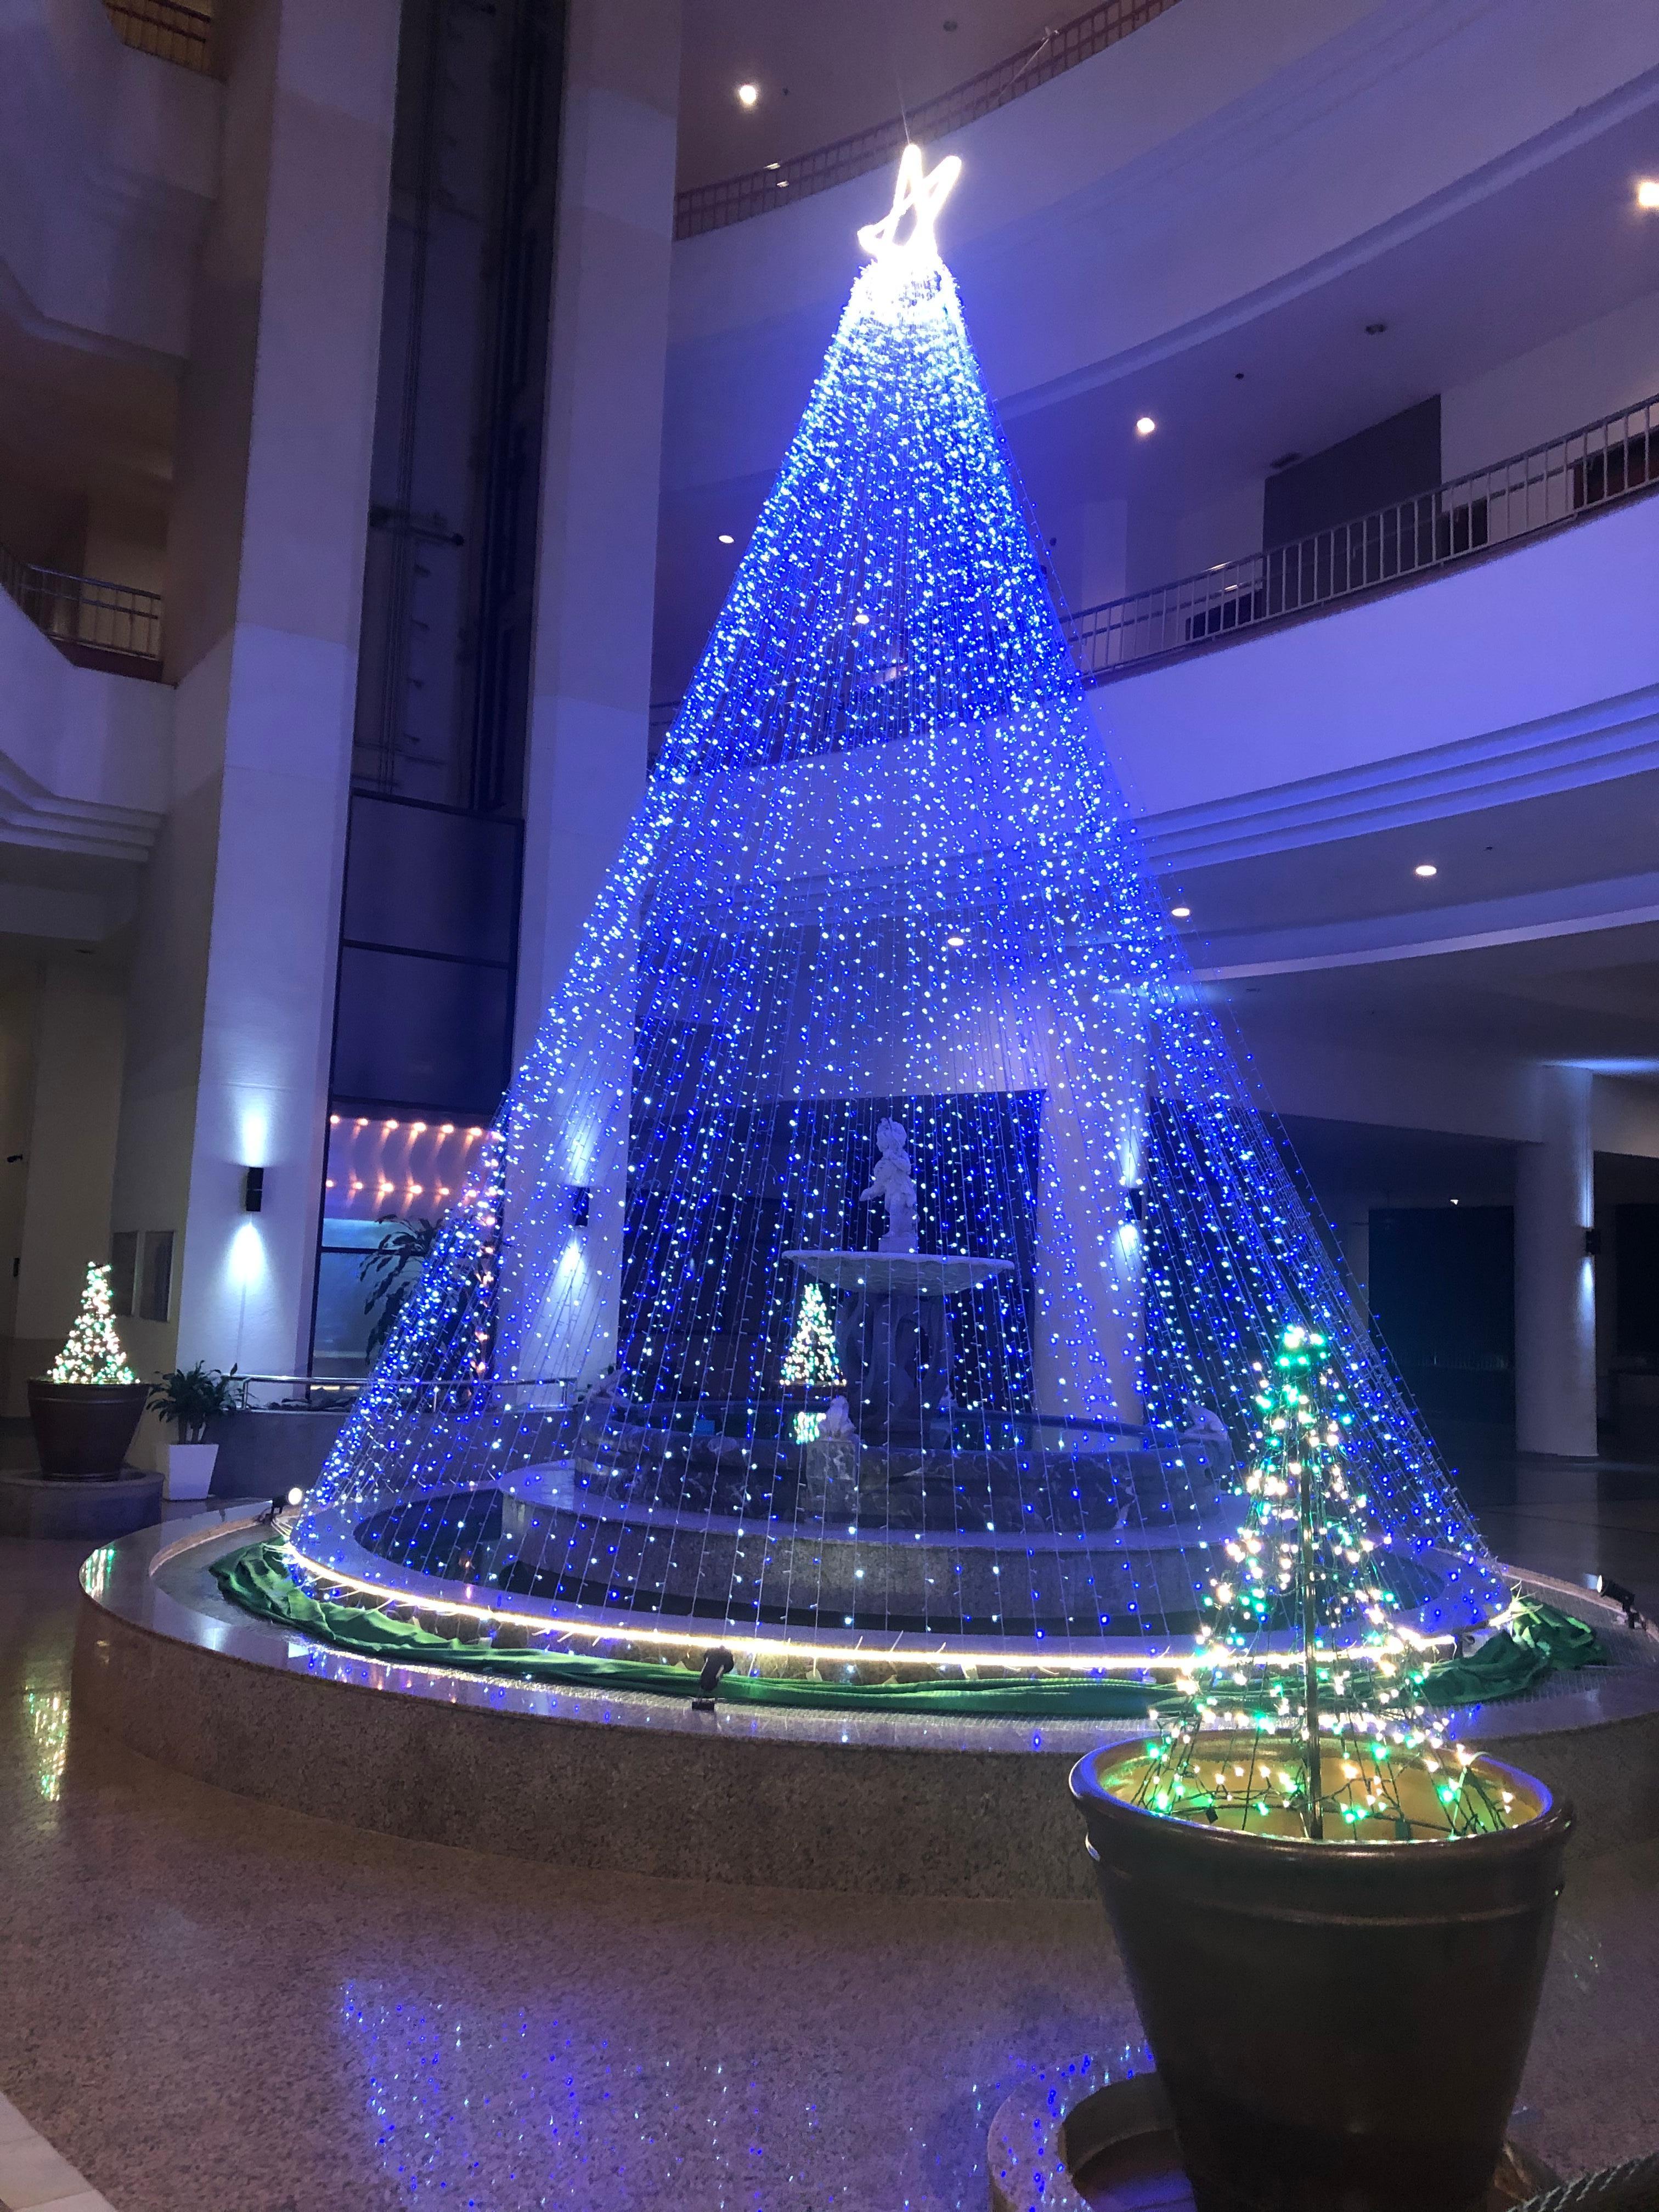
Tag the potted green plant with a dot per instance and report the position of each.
(191, 1397)
(85, 1408)
(1334, 1923)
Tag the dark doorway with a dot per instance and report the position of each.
(1443, 1300)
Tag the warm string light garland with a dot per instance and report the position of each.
(877, 872)
(1345, 1743)
(93, 1352)
(810, 1364)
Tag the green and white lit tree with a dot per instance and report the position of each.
(93, 1353)
(1306, 1714)
(811, 1361)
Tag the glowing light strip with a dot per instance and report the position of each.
(951, 1653)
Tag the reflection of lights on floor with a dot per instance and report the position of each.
(471, 2105)
(48, 1714)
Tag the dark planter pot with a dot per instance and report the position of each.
(84, 1428)
(1340, 2027)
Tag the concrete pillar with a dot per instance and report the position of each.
(1088, 1331)
(69, 1161)
(591, 681)
(1554, 1278)
(233, 983)
(1353, 1229)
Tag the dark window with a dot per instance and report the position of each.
(155, 1283)
(1617, 469)
(124, 1269)
(1390, 463)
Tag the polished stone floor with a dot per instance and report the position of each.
(214, 2007)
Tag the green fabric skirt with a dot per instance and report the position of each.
(257, 1578)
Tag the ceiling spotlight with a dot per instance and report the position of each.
(748, 94)
(727, 538)
(860, 616)
(1181, 913)
(1425, 869)
(1144, 426)
(1647, 192)
(955, 944)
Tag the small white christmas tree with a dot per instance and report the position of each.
(93, 1353)
(811, 1361)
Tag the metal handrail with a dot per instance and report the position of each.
(167, 29)
(87, 615)
(734, 199)
(1533, 491)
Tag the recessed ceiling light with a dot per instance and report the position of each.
(956, 943)
(1647, 192)
(727, 538)
(1425, 869)
(1374, 330)
(860, 616)
(1144, 426)
(1181, 913)
(748, 94)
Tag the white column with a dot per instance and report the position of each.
(1088, 1331)
(1554, 1278)
(596, 579)
(233, 986)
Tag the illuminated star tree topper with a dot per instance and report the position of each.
(919, 194)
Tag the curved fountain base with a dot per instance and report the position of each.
(945, 1806)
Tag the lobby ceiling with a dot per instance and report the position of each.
(821, 72)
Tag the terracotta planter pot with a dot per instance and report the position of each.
(84, 1428)
(1335, 2024)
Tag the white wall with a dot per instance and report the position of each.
(591, 675)
(108, 165)
(1537, 647)
(85, 756)
(71, 1161)
(1573, 379)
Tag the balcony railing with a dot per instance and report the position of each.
(1539, 491)
(165, 28)
(711, 207)
(1534, 491)
(99, 624)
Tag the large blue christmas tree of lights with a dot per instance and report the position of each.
(876, 1014)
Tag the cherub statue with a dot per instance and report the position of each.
(894, 1185)
(838, 1423)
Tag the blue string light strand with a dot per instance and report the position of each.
(879, 874)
